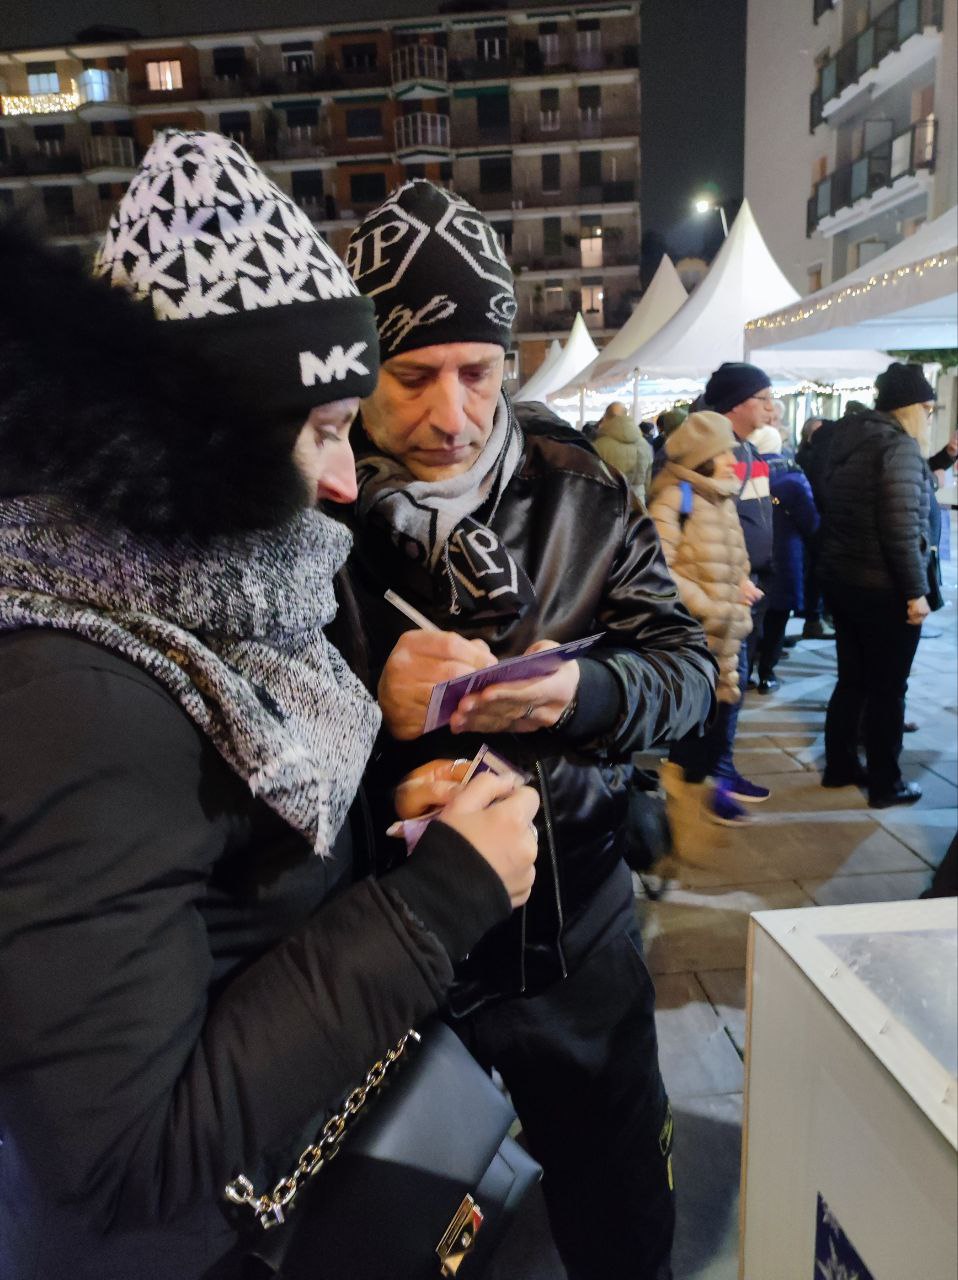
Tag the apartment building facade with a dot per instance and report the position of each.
(851, 136)
(533, 115)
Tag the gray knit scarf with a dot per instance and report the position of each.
(232, 629)
(444, 525)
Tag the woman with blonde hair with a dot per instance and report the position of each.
(877, 570)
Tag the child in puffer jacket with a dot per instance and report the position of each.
(693, 505)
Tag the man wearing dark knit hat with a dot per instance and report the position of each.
(742, 392)
(510, 540)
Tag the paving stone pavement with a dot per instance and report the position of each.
(806, 846)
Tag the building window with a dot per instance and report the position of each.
(549, 119)
(492, 43)
(308, 190)
(552, 237)
(229, 63)
(495, 173)
(302, 117)
(359, 57)
(590, 168)
(593, 303)
(236, 125)
(590, 240)
(42, 78)
(549, 43)
(364, 122)
(492, 115)
(554, 296)
(588, 35)
(367, 188)
(551, 174)
(164, 77)
(814, 278)
(49, 138)
(590, 102)
(298, 58)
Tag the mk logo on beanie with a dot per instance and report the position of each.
(434, 268)
(217, 247)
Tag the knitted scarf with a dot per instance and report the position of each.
(232, 629)
(444, 525)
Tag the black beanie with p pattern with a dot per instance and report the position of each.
(435, 271)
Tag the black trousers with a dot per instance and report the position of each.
(698, 756)
(581, 1063)
(770, 645)
(875, 647)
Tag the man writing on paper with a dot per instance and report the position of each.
(509, 541)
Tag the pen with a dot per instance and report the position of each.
(412, 614)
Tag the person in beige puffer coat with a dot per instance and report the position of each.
(693, 505)
(621, 445)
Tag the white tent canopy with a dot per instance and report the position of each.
(659, 303)
(578, 352)
(905, 298)
(709, 328)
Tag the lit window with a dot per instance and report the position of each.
(43, 78)
(163, 77)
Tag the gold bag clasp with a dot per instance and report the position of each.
(460, 1237)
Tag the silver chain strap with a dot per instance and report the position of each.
(270, 1209)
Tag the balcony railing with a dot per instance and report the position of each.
(94, 85)
(522, 197)
(885, 34)
(299, 142)
(523, 61)
(419, 62)
(907, 153)
(557, 127)
(106, 152)
(50, 156)
(421, 131)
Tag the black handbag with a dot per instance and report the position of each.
(426, 1178)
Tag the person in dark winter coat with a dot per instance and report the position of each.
(509, 541)
(875, 553)
(193, 976)
(795, 524)
(812, 457)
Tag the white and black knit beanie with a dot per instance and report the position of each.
(434, 269)
(214, 245)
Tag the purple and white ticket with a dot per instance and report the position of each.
(485, 761)
(446, 697)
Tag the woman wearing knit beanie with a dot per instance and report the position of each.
(692, 504)
(192, 976)
(880, 528)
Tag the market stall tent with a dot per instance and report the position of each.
(658, 304)
(906, 298)
(709, 328)
(579, 351)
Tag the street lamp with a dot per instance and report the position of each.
(705, 204)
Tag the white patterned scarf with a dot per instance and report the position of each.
(232, 629)
(444, 525)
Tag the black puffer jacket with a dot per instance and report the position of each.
(594, 560)
(876, 499)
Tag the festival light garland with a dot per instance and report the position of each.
(39, 104)
(780, 319)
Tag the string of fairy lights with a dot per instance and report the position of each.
(38, 104)
(805, 311)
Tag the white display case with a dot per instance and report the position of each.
(849, 1165)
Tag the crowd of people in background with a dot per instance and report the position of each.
(842, 533)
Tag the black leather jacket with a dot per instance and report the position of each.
(594, 560)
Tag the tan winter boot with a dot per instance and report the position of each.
(694, 838)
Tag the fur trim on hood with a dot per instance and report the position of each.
(102, 404)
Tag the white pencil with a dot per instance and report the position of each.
(412, 614)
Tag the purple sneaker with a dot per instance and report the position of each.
(721, 808)
(745, 792)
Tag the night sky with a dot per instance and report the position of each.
(693, 84)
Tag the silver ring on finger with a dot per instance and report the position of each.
(535, 831)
